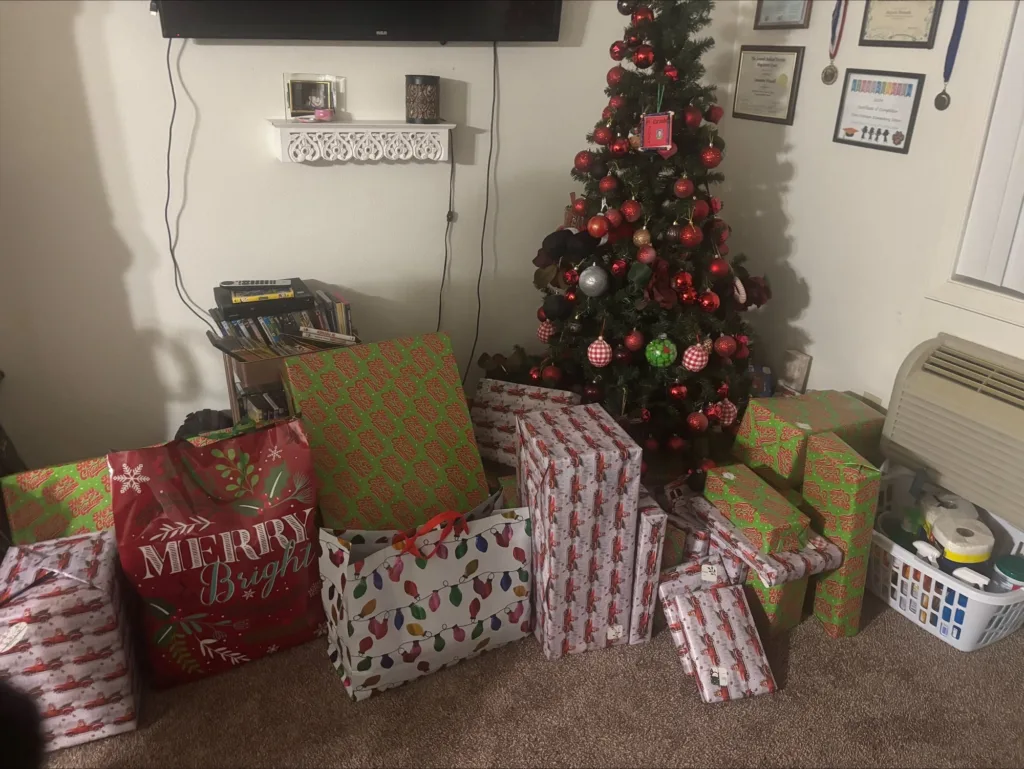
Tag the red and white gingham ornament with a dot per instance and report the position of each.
(545, 331)
(695, 358)
(599, 353)
(727, 412)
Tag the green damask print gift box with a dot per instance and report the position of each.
(58, 501)
(774, 431)
(763, 515)
(390, 432)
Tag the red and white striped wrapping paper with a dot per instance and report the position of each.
(724, 646)
(649, 543)
(495, 407)
(707, 571)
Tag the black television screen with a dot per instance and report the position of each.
(403, 20)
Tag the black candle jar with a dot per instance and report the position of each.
(422, 99)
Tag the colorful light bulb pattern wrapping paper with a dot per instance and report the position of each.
(649, 543)
(698, 574)
(495, 407)
(66, 641)
(393, 615)
(390, 432)
(579, 474)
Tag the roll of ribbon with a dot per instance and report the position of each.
(963, 541)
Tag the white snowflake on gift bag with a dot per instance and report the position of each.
(131, 478)
(272, 648)
(248, 594)
(274, 453)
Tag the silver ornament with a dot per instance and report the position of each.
(593, 281)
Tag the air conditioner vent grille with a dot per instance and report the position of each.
(977, 374)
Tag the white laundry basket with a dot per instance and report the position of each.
(963, 616)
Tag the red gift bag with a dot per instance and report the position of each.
(219, 542)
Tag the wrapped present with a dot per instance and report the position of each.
(649, 544)
(773, 433)
(689, 537)
(735, 566)
(842, 488)
(819, 555)
(763, 515)
(579, 473)
(67, 642)
(390, 432)
(58, 501)
(495, 408)
(708, 571)
(778, 608)
(724, 646)
(509, 491)
(571, 218)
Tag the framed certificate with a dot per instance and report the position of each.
(900, 23)
(767, 82)
(878, 109)
(782, 14)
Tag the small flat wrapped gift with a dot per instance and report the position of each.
(697, 574)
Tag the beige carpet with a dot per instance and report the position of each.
(892, 696)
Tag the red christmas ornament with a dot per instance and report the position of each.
(572, 276)
(676, 444)
(725, 346)
(690, 236)
(681, 281)
(608, 185)
(643, 56)
(716, 205)
(727, 412)
(647, 255)
(634, 340)
(710, 157)
(723, 249)
(692, 118)
(719, 268)
(632, 40)
(599, 353)
(651, 444)
(622, 355)
(701, 209)
(619, 268)
(617, 102)
(607, 114)
(614, 217)
(645, 415)
(742, 351)
(696, 421)
(618, 50)
(619, 147)
(712, 412)
(714, 113)
(614, 75)
(671, 72)
(570, 295)
(677, 391)
(541, 315)
(688, 295)
(723, 390)
(632, 210)
(708, 464)
(583, 160)
(642, 15)
(579, 206)
(683, 188)
(722, 232)
(592, 392)
(597, 226)
(545, 331)
(643, 468)
(551, 374)
(535, 373)
(603, 135)
(709, 301)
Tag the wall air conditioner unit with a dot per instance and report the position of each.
(957, 411)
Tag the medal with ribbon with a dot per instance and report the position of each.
(942, 100)
(830, 74)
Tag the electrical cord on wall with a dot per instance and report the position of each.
(179, 281)
(449, 217)
(487, 204)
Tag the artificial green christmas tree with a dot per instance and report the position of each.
(642, 309)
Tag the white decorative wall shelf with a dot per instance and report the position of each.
(361, 140)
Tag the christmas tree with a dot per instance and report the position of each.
(642, 306)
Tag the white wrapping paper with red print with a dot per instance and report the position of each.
(579, 474)
(494, 410)
(773, 569)
(64, 637)
(698, 538)
(734, 565)
(724, 646)
(649, 543)
(707, 571)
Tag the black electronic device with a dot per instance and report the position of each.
(396, 20)
(226, 298)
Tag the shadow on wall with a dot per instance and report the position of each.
(84, 380)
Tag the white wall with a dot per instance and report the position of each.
(854, 239)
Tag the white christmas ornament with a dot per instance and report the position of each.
(593, 281)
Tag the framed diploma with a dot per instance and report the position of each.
(900, 23)
(782, 14)
(878, 109)
(767, 82)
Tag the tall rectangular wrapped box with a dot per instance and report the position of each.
(842, 487)
(649, 544)
(579, 474)
(774, 431)
(496, 405)
(767, 520)
(67, 643)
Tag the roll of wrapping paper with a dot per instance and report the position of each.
(963, 541)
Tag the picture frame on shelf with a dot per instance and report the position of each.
(767, 83)
(878, 109)
(305, 93)
(783, 14)
(900, 23)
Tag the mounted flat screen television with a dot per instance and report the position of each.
(444, 21)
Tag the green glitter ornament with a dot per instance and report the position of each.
(661, 352)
